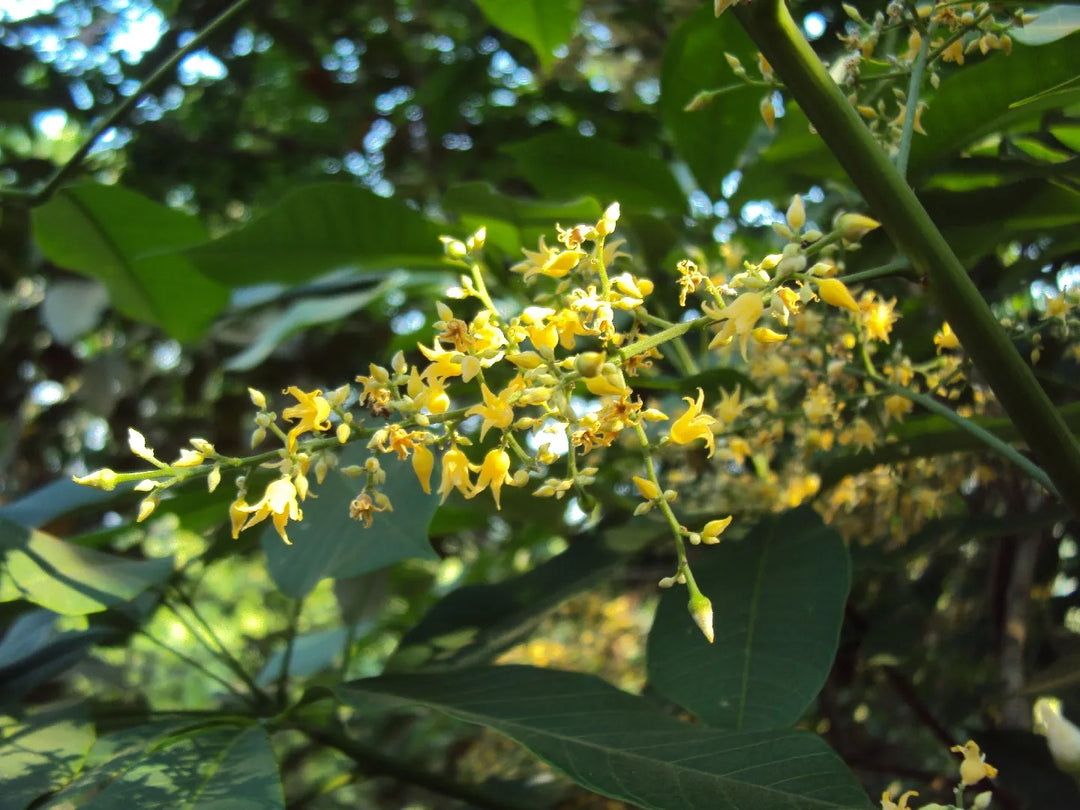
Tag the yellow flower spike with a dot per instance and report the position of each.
(423, 462)
(496, 410)
(946, 338)
(103, 479)
(278, 503)
(710, 535)
(888, 804)
(693, 424)
(649, 491)
(455, 473)
(974, 768)
(833, 291)
(312, 409)
(494, 472)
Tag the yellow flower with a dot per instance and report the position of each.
(278, 503)
(833, 291)
(312, 409)
(713, 529)
(888, 804)
(455, 473)
(494, 472)
(974, 768)
(104, 479)
(1058, 307)
(423, 462)
(693, 424)
(739, 318)
(548, 261)
(729, 407)
(945, 338)
(897, 407)
(649, 491)
(496, 410)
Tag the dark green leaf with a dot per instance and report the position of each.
(1051, 23)
(778, 600)
(72, 580)
(51, 501)
(219, 767)
(319, 228)
(472, 625)
(561, 166)
(544, 24)
(131, 245)
(312, 653)
(42, 753)
(710, 140)
(620, 746)
(329, 543)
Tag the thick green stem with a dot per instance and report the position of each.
(774, 31)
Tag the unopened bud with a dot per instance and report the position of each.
(104, 479)
(455, 249)
(147, 506)
(214, 478)
(1062, 737)
(701, 610)
(589, 364)
(258, 398)
(855, 226)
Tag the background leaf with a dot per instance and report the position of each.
(561, 165)
(319, 228)
(72, 580)
(128, 243)
(544, 24)
(329, 543)
(778, 600)
(42, 753)
(618, 745)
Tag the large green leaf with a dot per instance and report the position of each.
(329, 543)
(619, 745)
(72, 580)
(131, 244)
(544, 24)
(474, 624)
(561, 165)
(319, 228)
(778, 601)
(710, 140)
(42, 753)
(216, 767)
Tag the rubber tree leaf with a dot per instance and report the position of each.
(129, 243)
(317, 229)
(42, 753)
(710, 140)
(620, 746)
(778, 601)
(473, 624)
(72, 580)
(543, 24)
(217, 767)
(600, 169)
(329, 543)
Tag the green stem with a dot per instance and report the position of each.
(682, 351)
(899, 267)
(121, 110)
(286, 658)
(911, 103)
(374, 762)
(660, 338)
(774, 31)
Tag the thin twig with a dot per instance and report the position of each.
(196, 665)
(911, 103)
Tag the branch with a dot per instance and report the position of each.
(774, 31)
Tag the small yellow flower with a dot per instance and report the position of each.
(496, 410)
(945, 338)
(649, 491)
(104, 479)
(548, 261)
(877, 316)
(974, 768)
(423, 462)
(693, 424)
(897, 407)
(312, 409)
(739, 318)
(455, 473)
(494, 472)
(278, 503)
(833, 291)
(713, 529)
(364, 506)
(888, 804)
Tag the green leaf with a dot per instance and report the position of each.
(42, 753)
(1051, 23)
(329, 543)
(620, 746)
(778, 600)
(319, 228)
(562, 165)
(544, 24)
(216, 768)
(305, 314)
(72, 580)
(52, 500)
(312, 653)
(130, 244)
(710, 140)
(977, 101)
(472, 625)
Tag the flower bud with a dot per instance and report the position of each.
(258, 398)
(104, 479)
(701, 610)
(1062, 737)
(854, 227)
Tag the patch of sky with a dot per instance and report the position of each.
(355, 164)
(387, 102)
(344, 47)
(201, 65)
(138, 29)
(16, 10)
(50, 123)
(166, 355)
(648, 90)
(243, 42)
(721, 208)
(47, 393)
(538, 114)
(813, 25)
(700, 205)
(383, 188)
(730, 184)
(815, 195)
(378, 136)
(438, 42)
(96, 433)
(502, 98)
(551, 433)
(599, 84)
(758, 213)
(408, 322)
(487, 45)
(179, 196)
(586, 128)
(457, 141)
